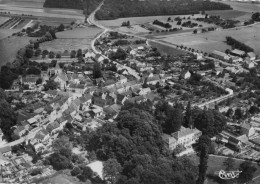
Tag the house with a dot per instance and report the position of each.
(62, 79)
(220, 55)
(38, 147)
(99, 58)
(3, 161)
(51, 93)
(251, 55)
(235, 142)
(249, 64)
(237, 52)
(19, 131)
(6, 151)
(30, 80)
(144, 91)
(122, 79)
(89, 54)
(41, 136)
(185, 75)
(247, 129)
(77, 88)
(86, 100)
(185, 137)
(52, 127)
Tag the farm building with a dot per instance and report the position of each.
(220, 55)
(237, 52)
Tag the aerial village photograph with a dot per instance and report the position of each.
(130, 91)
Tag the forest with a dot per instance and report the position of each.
(113, 9)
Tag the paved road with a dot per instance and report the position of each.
(22, 139)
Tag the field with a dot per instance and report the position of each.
(3, 19)
(77, 33)
(24, 3)
(216, 164)
(228, 14)
(79, 38)
(35, 8)
(166, 50)
(244, 7)
(140, 20)
(10, 46)
(215, 40)
(7, 32)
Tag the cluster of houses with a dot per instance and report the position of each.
(236, 56)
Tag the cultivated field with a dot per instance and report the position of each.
(35, 8)
(7, 32)
(60, 45)
(215, 40)
(10, 46)
(244, 7)
(3, 19)
(229, 14)
(24, 3)
(166, 50)
(77, 33)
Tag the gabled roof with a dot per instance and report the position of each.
(238, 52)
(184, 132)
(85, 98)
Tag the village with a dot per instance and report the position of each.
(88, 91)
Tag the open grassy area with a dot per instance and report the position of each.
(166, 50)
(84, 33)
(10, 46)
(245, 7)
(216, 164)
(61, 179)
(228, 14)
(215, 40)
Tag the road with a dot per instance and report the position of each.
(22, 139)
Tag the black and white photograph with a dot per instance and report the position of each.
(129, 91)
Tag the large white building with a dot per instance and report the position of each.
(185, 137)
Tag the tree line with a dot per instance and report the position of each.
(238, 45)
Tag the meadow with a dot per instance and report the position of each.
(77, 33)
(215, 40)
(10, 46)
(166, 49)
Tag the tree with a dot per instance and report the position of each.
(39, 81)
(29, 52)
(195, 31)
(79, 53)
(61, 28)
(36, 45)
(61, 143)
(33, 71)
(76, 171)
(60, 159)
(188, 121)
(51, 55)
(203, 164)
(50, 85)
(58, 55)
(229, 164)
(8, 118)
(97, 70)
(238, 113)
(111, 170)
(37, 52)
(73, 54)
(247, 173)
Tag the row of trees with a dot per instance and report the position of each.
(165, 25)
(238, 45)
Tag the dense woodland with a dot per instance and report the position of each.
(113, 9)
